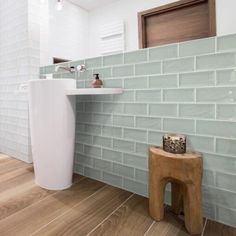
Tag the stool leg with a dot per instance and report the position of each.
(176, 198)
(193, 209)
(156, 198)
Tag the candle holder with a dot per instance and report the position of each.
(174, 143)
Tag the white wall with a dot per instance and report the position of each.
(19, 61)
(127, 10)
(64, 33)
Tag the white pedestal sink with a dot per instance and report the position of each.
(52, 125)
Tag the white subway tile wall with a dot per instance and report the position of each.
(19, 62)
(188, 88)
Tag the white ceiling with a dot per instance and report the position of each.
(91, 4)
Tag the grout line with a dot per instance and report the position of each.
(68, 210)
(149, 228)
(110, 214)
(204, 227)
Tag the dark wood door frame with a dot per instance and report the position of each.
(170, 7)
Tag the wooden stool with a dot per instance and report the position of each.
(184, 171)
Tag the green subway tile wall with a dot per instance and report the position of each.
(189, 88)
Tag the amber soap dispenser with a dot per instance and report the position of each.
(97, 83)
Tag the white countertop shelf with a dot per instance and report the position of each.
(94, 91)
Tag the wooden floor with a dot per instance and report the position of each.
(89, 207)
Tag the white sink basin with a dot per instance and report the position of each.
(94, 91)
(52, 126)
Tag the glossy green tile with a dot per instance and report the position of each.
(84, 160)
(226, 181)
(178, 125)
(102, 165)
(141, 148)
(135, 109)
(136, 56)
(216, 61)
(208, 178)
(141, 175)
(197, 111)
(92, 173)
(103, 72)
(155, 138)
(92, 129)
(80, 106)
(197, 79)
(102, 141)
(226, 42)
(123, 170)
(226, 112)
(196, 47)
(126, 96)
(112, 131)
(163, 110)
(214, 94)
(109, 107)
(178, 65)
(226, 77)
(217, 162)
(136, 187)
(41, 70)
(111, 155)
(79, 148)
(111, 179)
(217, 128)
(102, 98)
(124, 121)
(135, 83)
(226, 215)
(135, 134)
(226, 146)
(102, 119)
(209, 210)
(148, 123)
(115, 59)
(136, 161)
(93, 62)
(163, 52)
(79, 169)
(163, 81)
(123, 145)
(84, 138)
(178, 95)
(200, 143)
(148, 95)
(113, 83)
(92, 151)
(93, 107)
(49, 69)
(87, 75)
(148, 68)
(120, 71)
(219, 196)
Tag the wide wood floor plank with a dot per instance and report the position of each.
(216, 229)
(22, 200)
(131, 218)
(34, 217)
(171, 225)
(12, 165)
(86, 216)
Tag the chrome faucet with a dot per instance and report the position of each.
(72, 69)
